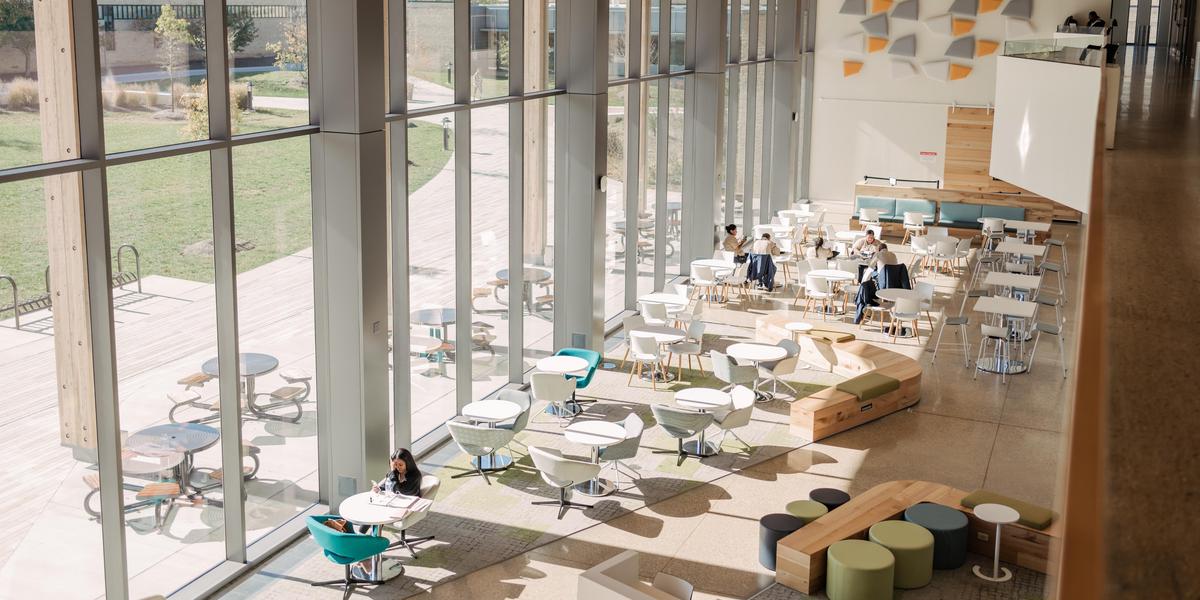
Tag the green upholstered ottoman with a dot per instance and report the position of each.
(858, 570)
(869, 386)
(1032, 516)
(912, 547)
(806, 510)
(950, 532)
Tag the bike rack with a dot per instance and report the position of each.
(137, 265)
(16, 308)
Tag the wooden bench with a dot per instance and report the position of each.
(829, 411)
(800, 562)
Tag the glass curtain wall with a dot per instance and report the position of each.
(163, 225)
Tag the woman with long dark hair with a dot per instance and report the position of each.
(404, 476)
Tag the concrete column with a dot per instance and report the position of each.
(783, 106)
(579, 197)
(702, 134)
(350, 244)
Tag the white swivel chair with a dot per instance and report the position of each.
(429, 488)
(478, 441)
(556, 390)
(628, 324)
(521, 421)
(681, 423)
(692, 346)
(673, 585)
(774, 371)
(626, 449)
(562, 472)
(730, 373)
(646, 351)
(738, 415)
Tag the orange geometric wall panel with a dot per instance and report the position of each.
(878, 6)
(851, 68)
(986, 6)
(962, 26)
(876, 44)
(959, 72)
(985, 47)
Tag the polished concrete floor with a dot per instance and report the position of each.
(698, 521)
(1152, 264)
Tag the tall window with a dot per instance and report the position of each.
(489, 49)
(491, 313)
(621, 233)
(269, 64)
(431, 68)
(538, 225)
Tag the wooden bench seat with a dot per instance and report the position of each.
(800, 562)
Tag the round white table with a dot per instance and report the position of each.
(359, 510)
(894, 294)
(597, 435)
(798, 328)
(671, 300)
(703, 400)
(491, 412)
(799, 215)
(756, 353)
(715, 264)
(849, 236)
(1000, 515)
(563, 365)
(934, 239)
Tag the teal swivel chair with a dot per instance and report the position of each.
(345, 549)
(593, 359)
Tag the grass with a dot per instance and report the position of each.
(288, 84)
(163, 206)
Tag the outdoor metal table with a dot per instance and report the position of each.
(186, 438)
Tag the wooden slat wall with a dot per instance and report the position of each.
(64, 225)
(969, 157)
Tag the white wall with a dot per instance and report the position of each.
(1044, 134)
(871, 124)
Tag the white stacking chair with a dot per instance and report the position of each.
(960, 322)
(1061, 244)
(802, 270)
(736, 279)
(646, 351)
(655, 313)
(963, 250)
(556, 390)
(914, 225)
(692, 346)
(705, 280)
(868, 218)
(628, 324)
(935, 231)
(626, 449)
(919, 246)
(906, 310)
(1056, 330)
(945, 253)
(562, 472)
(817, 264)
(925, 291)
(998, 338)
(818, 289)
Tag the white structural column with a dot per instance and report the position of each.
(350, 244)
(783, 106)
(807, 29)
(702, 135)
(579, 200)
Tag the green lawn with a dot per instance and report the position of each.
(163, 206)
(289, 84)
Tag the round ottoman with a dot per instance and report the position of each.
(912, 547)
(858, 570)
(949, 529)
(830, 497)
(806, 510)
(771, 529)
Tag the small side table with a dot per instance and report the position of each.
(798, 328)
(1001, 515)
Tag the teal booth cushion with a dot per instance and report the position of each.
(886, 206)
(1009, 213)
(965, 216)
(925, 207)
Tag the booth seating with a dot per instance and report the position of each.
(860, 570)
(961, 218)
(801, 557)
(912, 546)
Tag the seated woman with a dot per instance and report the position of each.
(403, 478)
(732, 243)
(818, 251)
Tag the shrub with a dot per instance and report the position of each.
(239, 96)
(131, 97)
(23, 94)
(178, 92)
(196, 103)
(151, 93)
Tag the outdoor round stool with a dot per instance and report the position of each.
(830, 497)
(858, 570)
(771, 529)
(912, 547)
(806, 510)
(949, 529)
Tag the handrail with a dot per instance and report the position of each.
(15, 307)
(137, 264)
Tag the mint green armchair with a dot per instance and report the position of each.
(344, 549)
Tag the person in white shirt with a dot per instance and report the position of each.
(818, 251)
(883, 257)
(765, 245)
(867, 245)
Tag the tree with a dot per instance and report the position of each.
(239, 26)
(16, 27)
(293, 50)
(174, 39)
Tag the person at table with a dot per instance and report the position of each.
(882, 258)
(1094, 20)
(403, 478)
(762, 262)
(819, 251)
(867, 245)
(732, 243)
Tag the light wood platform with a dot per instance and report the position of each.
(801, 556)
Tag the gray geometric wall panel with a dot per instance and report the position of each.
(877, 26)
(962, 48)
(854, 7)
(1019, 9)
(905, 46)
(965, 7)
(907, 10)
